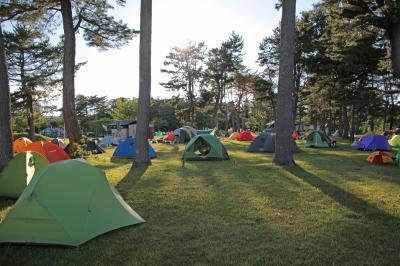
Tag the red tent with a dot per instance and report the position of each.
(294, 135)
(245, 136)
(170, 136)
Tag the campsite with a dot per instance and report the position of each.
(188, 132)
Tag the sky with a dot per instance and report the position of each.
(115, 73)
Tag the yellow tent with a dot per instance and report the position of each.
(395, 141)
(233, 136)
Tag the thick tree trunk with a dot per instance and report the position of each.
(353, 123)
(142, 146)
(216, 107)
(69, 114)
(31, 119)
(395, 47)
(284, 123)
(6, 138)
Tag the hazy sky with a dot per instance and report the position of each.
(114, 73)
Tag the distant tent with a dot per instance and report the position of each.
(51, 151)
(381, 157)
(186, 133)
(127, 150)
(170, 136)
(18, 173)
(108, 141)
(266, 143)
(68, 203)
(395, 141)
(244, 136)
(59, 142)
(294, 135)
(373, 142)
(204, 132)
(318, 139)
(20, 143)
(94, 148)
(205, 147)
(233, 136)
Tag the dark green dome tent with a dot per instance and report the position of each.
(18, 173)
(318, 139)
(265, 142)
(205, 147)
(68, 203)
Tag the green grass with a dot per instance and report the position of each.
(334, 208)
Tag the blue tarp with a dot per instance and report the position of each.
(127, 150)
(373, 142)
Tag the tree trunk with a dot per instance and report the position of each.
(216, 107)
(31, 119)
(353, 123)
(284, 123)
(394, 34)
(142, 145)
(345, 122)
(6, 138)
(69, 114)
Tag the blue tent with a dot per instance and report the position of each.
(373, 142)
(126, 150)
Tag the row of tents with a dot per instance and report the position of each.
(60, 201)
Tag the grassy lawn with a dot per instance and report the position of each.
(335, 208)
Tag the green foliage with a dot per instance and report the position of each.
(76, 150)
(124, 109)
(38, 137)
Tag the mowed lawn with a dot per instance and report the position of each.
(334, 208)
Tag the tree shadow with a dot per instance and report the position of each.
(346, 199)
(131, 178)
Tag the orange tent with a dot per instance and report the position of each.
(381, 157)
(245, 136)
(20, 143)
(49, 150)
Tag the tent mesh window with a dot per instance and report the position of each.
(201, 148)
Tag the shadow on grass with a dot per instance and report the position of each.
(346, 199)
(131, 178)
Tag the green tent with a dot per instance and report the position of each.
(318, 139)
(67, 203)
(205, 147)
(398, 157)
(19, 171)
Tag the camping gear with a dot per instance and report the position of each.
(354, 144)
(169, 137)
(265, 142)
(94, 148)
(205, 147)
(16, 175)
(245, 136)
(108, 141)
(185, 134)
(205, 132)
(233, 136)
(395, 141)
(127, 150)
(398, 158)
(20, 143)
(68, 203)
(294, 135)
(381, 157)
(373, 142)
(49, 150)
(318, 139)
(59, 142)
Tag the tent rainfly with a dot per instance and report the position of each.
(206, 148)
(86, 206)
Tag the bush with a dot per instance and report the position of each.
(76, 150)
(37, 136)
